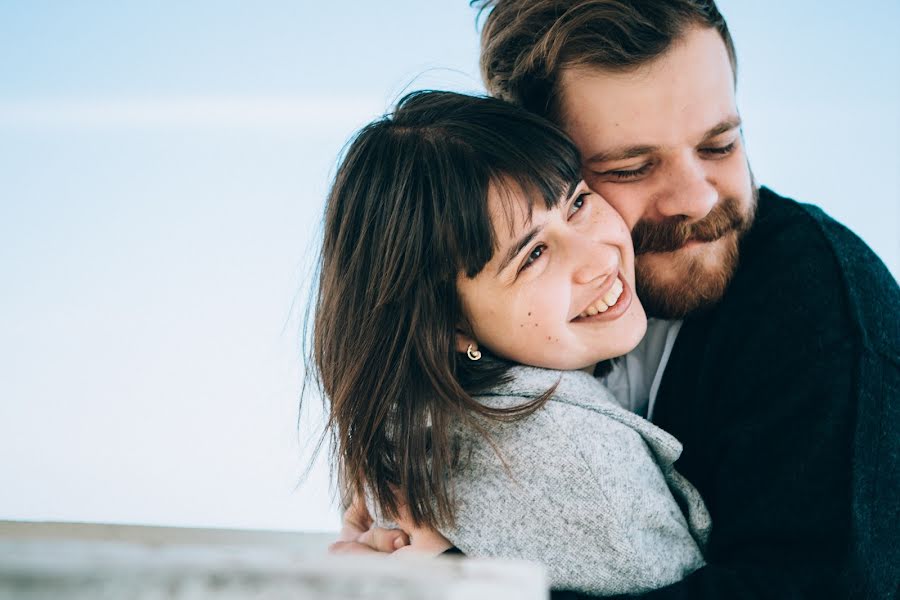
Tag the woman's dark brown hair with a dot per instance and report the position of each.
(406, 216)
(526, 44)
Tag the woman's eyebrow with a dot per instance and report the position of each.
(518, 246)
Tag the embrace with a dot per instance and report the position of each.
(564, 323)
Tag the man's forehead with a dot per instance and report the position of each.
(699, 51)
(602, 133)
(680, 95)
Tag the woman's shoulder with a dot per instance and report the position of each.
(579, 403)
(527, 382)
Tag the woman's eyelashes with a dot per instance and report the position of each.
(576, 205)
(532, 257)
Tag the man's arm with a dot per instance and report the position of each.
(804, 505)
(785, 398)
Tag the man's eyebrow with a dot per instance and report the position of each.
(621, 153)
(517, 247)
(726, 125)
(627, 152)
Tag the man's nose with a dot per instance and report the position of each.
(688, 191)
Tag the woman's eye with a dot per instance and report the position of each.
(532, 257)
(577, 204)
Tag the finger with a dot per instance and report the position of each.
(384, 540)
(350, 548)
(405, 551)
(424, 539)
(354, 522)
(357, 515)
(424, 547)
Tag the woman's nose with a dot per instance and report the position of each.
(595, 263)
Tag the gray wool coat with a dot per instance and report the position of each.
(588, 488)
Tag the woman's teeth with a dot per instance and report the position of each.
(609, 298)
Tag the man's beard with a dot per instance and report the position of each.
(687, 283)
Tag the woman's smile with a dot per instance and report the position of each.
(610, 304)
(559, 291)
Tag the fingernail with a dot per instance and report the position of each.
(399, 543)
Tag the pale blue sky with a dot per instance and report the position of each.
(161, 173)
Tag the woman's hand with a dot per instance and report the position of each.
(423, 541)
(358, 536)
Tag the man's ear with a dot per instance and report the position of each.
(464, 340)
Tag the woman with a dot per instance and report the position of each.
(470, 286)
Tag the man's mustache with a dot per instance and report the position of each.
(672, 234)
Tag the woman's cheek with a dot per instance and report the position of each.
(548, 309)
(627, 208)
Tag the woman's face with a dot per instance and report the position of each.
(559, 291)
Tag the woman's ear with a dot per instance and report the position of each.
(464, 341)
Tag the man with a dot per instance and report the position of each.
(783, 366)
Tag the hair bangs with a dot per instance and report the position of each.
(476, 147)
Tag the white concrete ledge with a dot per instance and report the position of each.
(312, 544)
(77, 561)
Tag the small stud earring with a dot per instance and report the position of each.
(473, 353)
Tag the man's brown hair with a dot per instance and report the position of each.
(526, 44)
